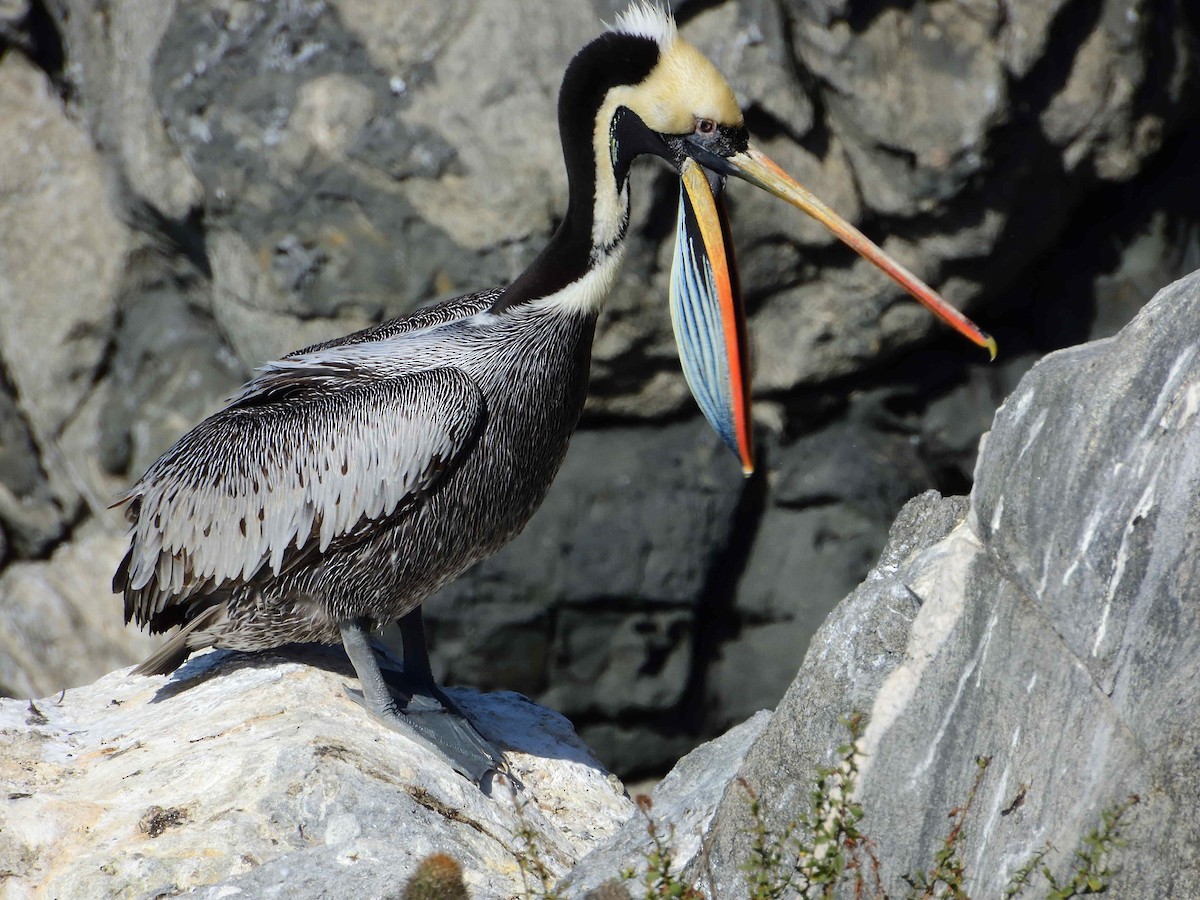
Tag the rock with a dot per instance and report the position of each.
(858, 644)
(111, 54)
(171, 369)
(258, 775)
(13, 16)
(62, 250)
(681, 808)
(833, 499)
(482, 110)
(57, 224)
(56, 630)
(28, 507)
(1051, 631)
(916, 101)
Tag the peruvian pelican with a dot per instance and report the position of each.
(350, 480)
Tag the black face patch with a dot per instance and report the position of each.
(607, 62)
(724, 142)
(630, 138)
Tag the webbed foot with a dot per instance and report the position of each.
(411, 703)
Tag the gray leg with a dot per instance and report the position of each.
(414, 705)
(416, 648)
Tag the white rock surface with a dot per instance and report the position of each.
(258, 776)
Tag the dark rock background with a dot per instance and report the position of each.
(188, 190)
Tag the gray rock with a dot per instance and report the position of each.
(62, 249)
(111, 51)
(849, 657)
(28, 507)
(56, 630)
(62, 244)
(1051, 631)
(840, 465)
(681, 808)
(13, 17)
(170, 370)
(643, 745)
(834, 497)
(260, 776)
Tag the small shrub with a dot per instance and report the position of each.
(658, 879)
(822, 847)
(438, 877)
(948, 870)
(822, 850)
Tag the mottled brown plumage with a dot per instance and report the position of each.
(508, 399)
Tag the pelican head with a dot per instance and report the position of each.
(642, 89)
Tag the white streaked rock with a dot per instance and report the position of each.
(258, 775)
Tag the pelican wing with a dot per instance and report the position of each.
(267, 478)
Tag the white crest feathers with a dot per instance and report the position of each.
(647, 19)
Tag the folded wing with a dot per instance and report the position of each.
(289, 472)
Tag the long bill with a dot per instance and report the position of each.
(754, 166)
(707, 315)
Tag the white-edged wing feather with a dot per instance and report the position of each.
(258, 481)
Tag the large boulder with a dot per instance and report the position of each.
(62, 259)
(260, 776)
(1054, 630)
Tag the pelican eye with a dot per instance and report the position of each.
(706, 126)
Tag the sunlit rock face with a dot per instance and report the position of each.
(1051, 625)
(255, 775)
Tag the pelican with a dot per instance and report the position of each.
(351, 479)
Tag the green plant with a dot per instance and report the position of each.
(657, 878)
(1020, 878)
(1092, 864)
(438, 877)
(948, 870)
(823, 846)
(529, 858)
(822, 849)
